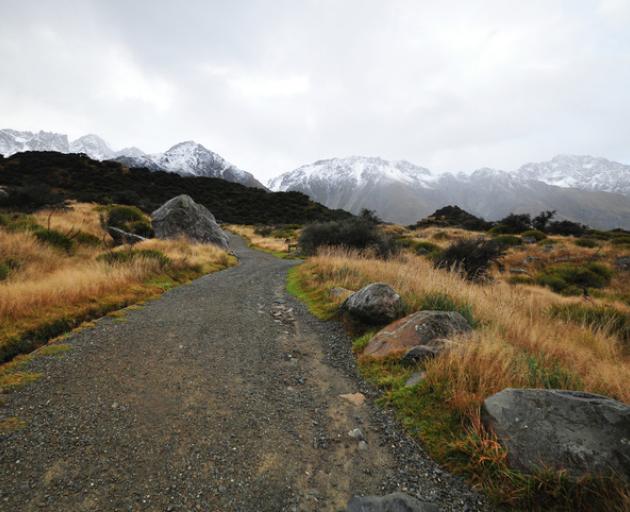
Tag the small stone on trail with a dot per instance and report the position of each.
(363, 445)
(357, 399)
(357, 434)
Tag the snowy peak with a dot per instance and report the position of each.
(580, 171)
(14, 141)
(93, 146)
(186, 158)
(357, 171)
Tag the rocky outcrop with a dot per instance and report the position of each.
(579, 432)
(426, 332)
(376, 303)
(395, 502)
(181, 216)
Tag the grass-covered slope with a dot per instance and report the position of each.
(30, 175)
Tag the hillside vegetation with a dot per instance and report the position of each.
(530, 331)
(36, 179)
(57, 269)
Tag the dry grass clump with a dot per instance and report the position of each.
(515, 335)
(268, 243)
(48, 290)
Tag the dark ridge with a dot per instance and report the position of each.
(36, 178)
(454, 217)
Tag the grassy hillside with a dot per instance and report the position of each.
(525, 335)
(31, 176)
(57, 269)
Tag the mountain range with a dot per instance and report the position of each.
(585, 189)
(186, 158)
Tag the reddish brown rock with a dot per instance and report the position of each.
(423, 328)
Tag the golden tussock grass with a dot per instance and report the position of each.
(517, 343)
(268, 243)
(47, 285)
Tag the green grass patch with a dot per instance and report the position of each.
(443, 302)
(55, 238)
(571, 279)
(316, 299)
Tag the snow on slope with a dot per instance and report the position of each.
(355, 170)
(186, 158)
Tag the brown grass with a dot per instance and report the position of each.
(48, 285)
(515, 326)
(268, 243)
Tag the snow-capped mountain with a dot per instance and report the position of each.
(580, 171)
(13, 141)
(186, 158)
(402, 192)
(93, 146)
(191, 158)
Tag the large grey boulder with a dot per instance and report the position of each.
(376, 303)
(181, 216)
(423, 333)
(396, 502)
(580, 432)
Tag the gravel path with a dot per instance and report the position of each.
(222, 395)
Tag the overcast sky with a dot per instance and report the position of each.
(273, 84)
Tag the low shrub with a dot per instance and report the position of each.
(120, 216)
(512, 224)
(521, 280)
(508, 240)
(142, 228)
(621, 240)
(5, 270)
(89, 239)
(472, 258)
(586, 242)
(420, 247)
(572, 279)
(55, 238)
(353, 233)
(535, 234)
(566, 228)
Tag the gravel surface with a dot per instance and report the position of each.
(222, 395)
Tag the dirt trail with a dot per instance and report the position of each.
(222, 395)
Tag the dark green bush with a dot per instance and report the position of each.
(512, 224)
(353, 233)
(472, 258)
(621, 240)
(121, 216)
(521, 280)
(566, 228)
(84, 238)
(5, 270)
(55, 238)
(142, 228)
(606, 318)
(508, 240)
(420, 247)
(571, 279)
(586, 242)
(535, 234)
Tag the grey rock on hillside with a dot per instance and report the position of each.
(181, 216)
(576, 431)
(376, 303)
(395, 502)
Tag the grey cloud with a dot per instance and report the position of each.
(271, 85)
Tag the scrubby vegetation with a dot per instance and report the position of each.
(36, 179)
(524, 337)
(471, 258)
(359, 233)
(59, 270)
